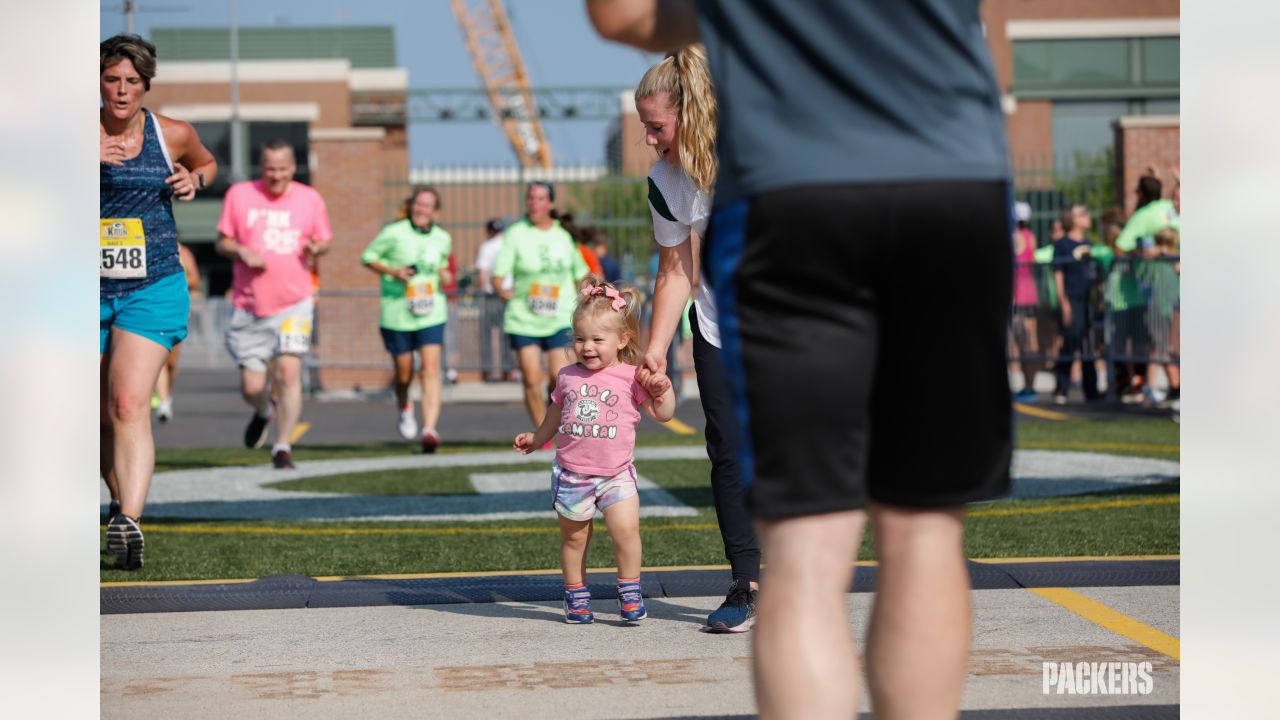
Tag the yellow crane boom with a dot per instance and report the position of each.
(496, 56)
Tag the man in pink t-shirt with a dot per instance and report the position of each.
(273, 229)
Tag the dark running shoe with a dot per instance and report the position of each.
(281, 460)
(113, 510)
(738, 611)
(255, 433)
(430, 440)
(125, 542)
(577, 606)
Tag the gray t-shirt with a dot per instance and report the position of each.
(851, 91)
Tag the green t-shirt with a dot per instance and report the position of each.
(1125, 286)
(1147, 220)
(545, 266)
(418, 304)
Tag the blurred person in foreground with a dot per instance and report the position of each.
(145, 160)
(272, 228)
(835, 126)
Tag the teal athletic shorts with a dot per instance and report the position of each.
(157, 312)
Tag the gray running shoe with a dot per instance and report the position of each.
(125, 542)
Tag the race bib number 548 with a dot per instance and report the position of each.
(122, 249)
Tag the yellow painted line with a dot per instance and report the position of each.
(1117, 622)
(1108, 505)
(1078, 445)
(298, 431)
(1040, 412)
(1078, 558)
(544, 571)
(678, 427)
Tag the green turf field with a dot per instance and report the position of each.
(1136, 521)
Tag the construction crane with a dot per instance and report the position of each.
(496, 56)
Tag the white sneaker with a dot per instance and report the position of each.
(408, 425)
(164, 411)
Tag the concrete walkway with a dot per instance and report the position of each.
(519, 660)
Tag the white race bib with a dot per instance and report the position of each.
(421, 298)
(295, 336)
(544, 299)
(122, 249)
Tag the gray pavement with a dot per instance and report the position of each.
(508, 660)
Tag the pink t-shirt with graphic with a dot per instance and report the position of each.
(597, 434)
(277, 228)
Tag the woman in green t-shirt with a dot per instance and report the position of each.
(412, 257)
(545, 266)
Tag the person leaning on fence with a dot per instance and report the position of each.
(830, 116)
(1152, 215)
(270, 228)
(1026, 301)
(145, 162)
(491, 354)
(544, 265)
(411, 256)
(1074, 275)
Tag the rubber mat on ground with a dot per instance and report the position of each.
(294, 591)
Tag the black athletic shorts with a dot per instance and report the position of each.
(865, 327)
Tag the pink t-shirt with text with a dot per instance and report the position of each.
(277, 228)
(597, 434)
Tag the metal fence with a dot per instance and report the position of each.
(1129, 314)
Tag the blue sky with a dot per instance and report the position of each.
(555, 38)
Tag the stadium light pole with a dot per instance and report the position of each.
(237, 136)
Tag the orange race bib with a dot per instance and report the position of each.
(544, 299)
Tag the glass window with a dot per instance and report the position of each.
(1071, 63)
(1160, 61)
(1084, 126)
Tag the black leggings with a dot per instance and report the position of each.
(724, 437)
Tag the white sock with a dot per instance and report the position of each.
(281, 446)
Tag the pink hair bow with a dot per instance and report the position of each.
(619, 302)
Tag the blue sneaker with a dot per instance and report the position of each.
(1026, 396)
(738, 611)
(631, 602)
(577, 606)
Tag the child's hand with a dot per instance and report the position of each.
(656, 383)
(524, 443)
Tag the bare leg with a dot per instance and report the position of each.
(430, 385)
(163, 383)
(623, 521)
(289, 378)
(531, 375)
(575, 536)
(918, 645)
(131, 376)
(806, 665)
(253, 388)
(402, 365)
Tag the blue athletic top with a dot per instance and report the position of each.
(137, 189)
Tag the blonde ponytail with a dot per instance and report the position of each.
(686, 79)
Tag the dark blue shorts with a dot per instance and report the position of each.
(399, 342)
(560, 339)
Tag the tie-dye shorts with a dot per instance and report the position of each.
(576, 495)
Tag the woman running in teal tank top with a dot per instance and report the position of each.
(145, 160)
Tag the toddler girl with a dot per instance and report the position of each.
(593, 416)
